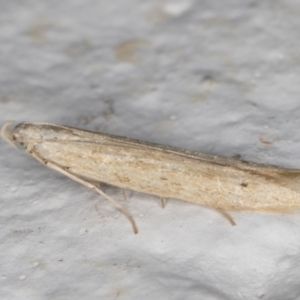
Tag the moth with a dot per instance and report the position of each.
(221, 183)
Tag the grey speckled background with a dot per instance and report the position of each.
(220, 77)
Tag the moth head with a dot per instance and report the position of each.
(12, 136)
(22, 136)
(26, 135)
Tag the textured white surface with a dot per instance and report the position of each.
(220, 77)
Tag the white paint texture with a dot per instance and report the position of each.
(215, 76)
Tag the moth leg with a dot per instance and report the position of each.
(162, 202)
(87, 183)
(123, 192)
(226, 215)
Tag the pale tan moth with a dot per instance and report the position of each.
(218, 182)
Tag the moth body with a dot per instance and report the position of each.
(168, 172)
